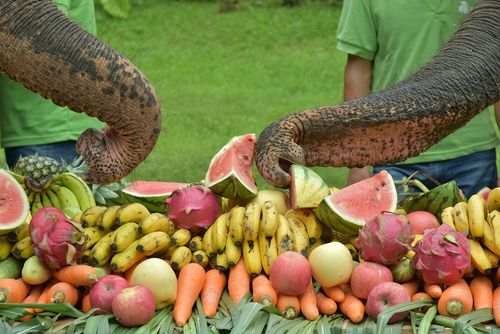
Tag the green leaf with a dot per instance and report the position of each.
(472, 318)
(258, 324)
(34, 325)
(65, 309)
(201, 320)
(426, 322)
(116, 8)
(384, 317)
(247, 314)
(323, 326)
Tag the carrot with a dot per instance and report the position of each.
(496, 305)
(481, 288)
(238, 282)
(13, 290)
(336, 293)
(32, 298)
(412, 286)
(309, 303)
(289, 306)
(433, 290)
(456, 300)
(86, 306)
(263, 291)
(326, 305)
(43, 299)
(420, 296)
(352, 307)
(62, 292)
(214, 285)
(189, 285)
(77, 275)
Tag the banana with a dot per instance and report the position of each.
(106, 221)
(495, 224)
(460, 217)
(92, 236)
(221, 262)
(235, 228)
(154, 242)
(77, 218)
(196, 243)
(269, 221)
(268, 252)
(46, 202)
(494, 258)
(101, 252)
(220, 233)
(284, 236)
(201, 258)
(19, 233)
(5, 247)
(125, 259)
(479, 258)
(181, 237)
(81, 190)
(84, 257)
(180, 257)
(300, 236)
(447, 217)
(156, 222)
(37, 203)
(233, 252)
(489, 237)
(318, 242)
(67, 198)
(23, 249)
(494, 199)
(308, 218)
(252, 259)
(476, 213)
(53, 198)
(207, 243)
(92, 215)
(251, 223)
(132, 212)
(123, 236)
(167, 254)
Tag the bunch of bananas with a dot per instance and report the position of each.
(480, 221)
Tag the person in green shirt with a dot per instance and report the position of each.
(388, 40)
(31, 124)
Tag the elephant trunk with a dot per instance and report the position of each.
(53, 56)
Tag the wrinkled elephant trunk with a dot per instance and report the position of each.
(53, 56)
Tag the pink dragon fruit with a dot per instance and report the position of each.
(442, 256)
(385, 239)
(57, 241)
(194, 207)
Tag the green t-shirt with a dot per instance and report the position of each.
(28, 119)
(399, 37)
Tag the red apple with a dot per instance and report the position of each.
(366, 276)
(101, 294)
(421, 221)
(290, 273)
(134, 306)
(385, 295)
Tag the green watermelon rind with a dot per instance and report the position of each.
(309, 189)
(8, 227)
(232, 187)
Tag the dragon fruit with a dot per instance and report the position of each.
(385, 239)
(57, 241)
(194, 207)
(442, 256)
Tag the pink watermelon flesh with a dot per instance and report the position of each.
(152, 188)
(14, 205)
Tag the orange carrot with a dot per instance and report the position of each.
(336, 293)
(189, 285)
(44, 296)
(420, 296)
(77, 275)
(352, 307)
(433, 290)
(31, 298)
(481, 288)
(62, 292)
(456, 300)
(496, 305)
(309, 303)
(238, 282)
(289, 306)
(326, 305)
(263, 291)
(214, 285)
(86, 306)
(13, 290)
(412, 286)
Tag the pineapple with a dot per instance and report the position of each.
(37, 171)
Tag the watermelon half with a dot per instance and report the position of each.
(14, 205)
(348, 209)
(230, 173)
(307, 188)
(151, 194)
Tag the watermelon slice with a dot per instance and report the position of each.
(14, 205)
(307, 188)
(230, 173)
(151, 194)
(348, 209)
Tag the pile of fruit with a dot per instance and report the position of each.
(223, 256)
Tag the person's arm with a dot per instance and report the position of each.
(357, 83)
(497, 113)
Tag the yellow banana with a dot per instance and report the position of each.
(101, 252)
(300, 237)
(156, 222)
(180, 257)
(268, 252)
(308, 218)
(123, 236)
(5, 247)
(495, 224)
(196, 243)
(132, 212)
(125, 259)
(167, 254)
(84, 257)
(107, 220)
(201, 258)
(489, 237)
(494, 258)
(67, 199)
(92, 215)
(447, 217)
(19, 233)
(78, 187)
(494, 199)
(207, 243)
(269, 221)
(77, 217)
(284, 236)
(479, 258)
(221, 262)
(154, 242)
(476, 213)
(92, 235)
(251, 257)
(235, 228)
(46, 203)
(460, 217)
(233, 252)
(53, 198)
(37, 203)
(181, 237)
(251, 223)
(23, 249)
(220, 233)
